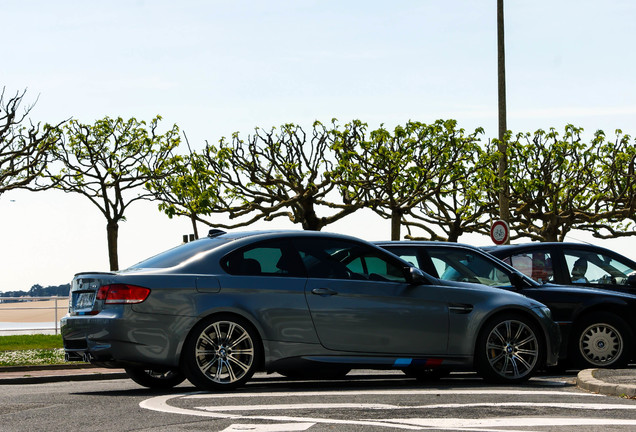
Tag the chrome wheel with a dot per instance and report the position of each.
(222, 354)
(512, 350)
(601, 344)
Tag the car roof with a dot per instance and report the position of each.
(424, 243)
(236, 235)
(547, 245)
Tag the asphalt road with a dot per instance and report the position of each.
(364, 401)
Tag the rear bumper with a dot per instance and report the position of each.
(116, 338)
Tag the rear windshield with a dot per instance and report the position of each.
(175, 256)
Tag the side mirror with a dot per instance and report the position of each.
(517, 280)
(631, 279)
(415, 276)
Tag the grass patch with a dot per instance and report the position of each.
(32, 357)
(30, 342)
(29, 350)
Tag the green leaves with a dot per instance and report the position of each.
(113, 163)
(559, 183)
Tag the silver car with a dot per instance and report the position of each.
(218, 309)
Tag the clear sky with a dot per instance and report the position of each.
(216, 67)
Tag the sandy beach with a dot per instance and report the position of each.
(33, 311)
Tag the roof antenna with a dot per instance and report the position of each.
(215, 232)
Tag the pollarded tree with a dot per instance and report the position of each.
(190, 189)
(109, 163)
(276, 173)
(615, 211)
(459, 204)
(553, 184)
(398, 171)
(24, 149)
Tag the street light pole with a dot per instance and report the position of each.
(504, 202)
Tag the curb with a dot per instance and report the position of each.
(57, 373)
(587, 380)
(43, 367)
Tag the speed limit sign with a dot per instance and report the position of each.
(499, 232)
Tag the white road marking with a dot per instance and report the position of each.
(299, 423)
(279, 427)
(281, 407)
(319, 406)
(499, 422)
(200, 395)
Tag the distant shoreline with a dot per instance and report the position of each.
(35, 311)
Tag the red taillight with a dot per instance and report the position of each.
(122, 294)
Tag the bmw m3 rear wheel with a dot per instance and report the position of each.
(155, 379)
(221, 353)
(509, 349)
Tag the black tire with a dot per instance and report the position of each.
(221, 353)
(510, 349)
(601, 340)
(155, 380)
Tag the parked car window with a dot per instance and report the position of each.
(536, 265)
(466, 266)
(264, 259)
(594, 268)
(346, 260)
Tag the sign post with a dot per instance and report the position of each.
(499, 232)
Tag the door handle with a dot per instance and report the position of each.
(323, 292)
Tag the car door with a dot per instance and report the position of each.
(360, 301)
(267, 280)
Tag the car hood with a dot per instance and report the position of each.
(514, 297)
(583, 290)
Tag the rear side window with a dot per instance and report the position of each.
(536, 265)
(270, 258)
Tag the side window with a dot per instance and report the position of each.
(274, 258)
(341, 259)
(414, 256)
(593, 268)
(536, 265)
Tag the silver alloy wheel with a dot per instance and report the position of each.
(224, 352)
(601, 344)
(512, 349)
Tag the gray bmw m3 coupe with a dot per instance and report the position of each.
(218, 309)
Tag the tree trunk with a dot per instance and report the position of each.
(396, 223)
(455, 230)
(310, 221)
(112, 231)
(193, 219)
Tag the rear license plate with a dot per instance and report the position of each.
(85, 300)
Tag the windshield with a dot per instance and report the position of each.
(458, 264)
(468, 266)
